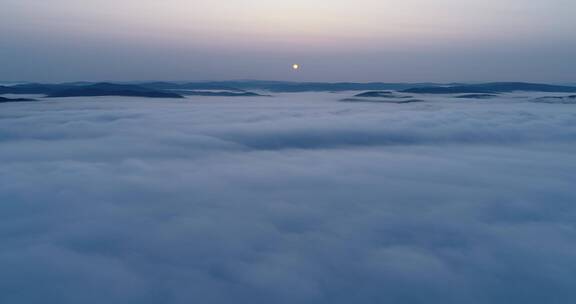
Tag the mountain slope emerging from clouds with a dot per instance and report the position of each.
(109, 89)
(238, 87)
(496, 87)
(5, 99)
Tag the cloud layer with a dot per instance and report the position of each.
(293, 199)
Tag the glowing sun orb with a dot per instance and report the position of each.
(295, 67)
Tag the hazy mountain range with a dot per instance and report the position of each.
(243, 88)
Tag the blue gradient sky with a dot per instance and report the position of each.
(339, 40)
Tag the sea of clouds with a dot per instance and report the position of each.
(297, 198)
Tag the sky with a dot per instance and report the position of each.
(338, 40)
(296, 198)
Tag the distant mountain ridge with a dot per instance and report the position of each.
(111, 89)
(557, 99)
(154, 90)
(35, 88)
(241, 87)
(296, 87)
(494, 87)
(5, 100)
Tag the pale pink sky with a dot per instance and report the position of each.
(361, 40)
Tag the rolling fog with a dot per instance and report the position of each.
(297, 198)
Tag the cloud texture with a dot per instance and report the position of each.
(293, 199)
